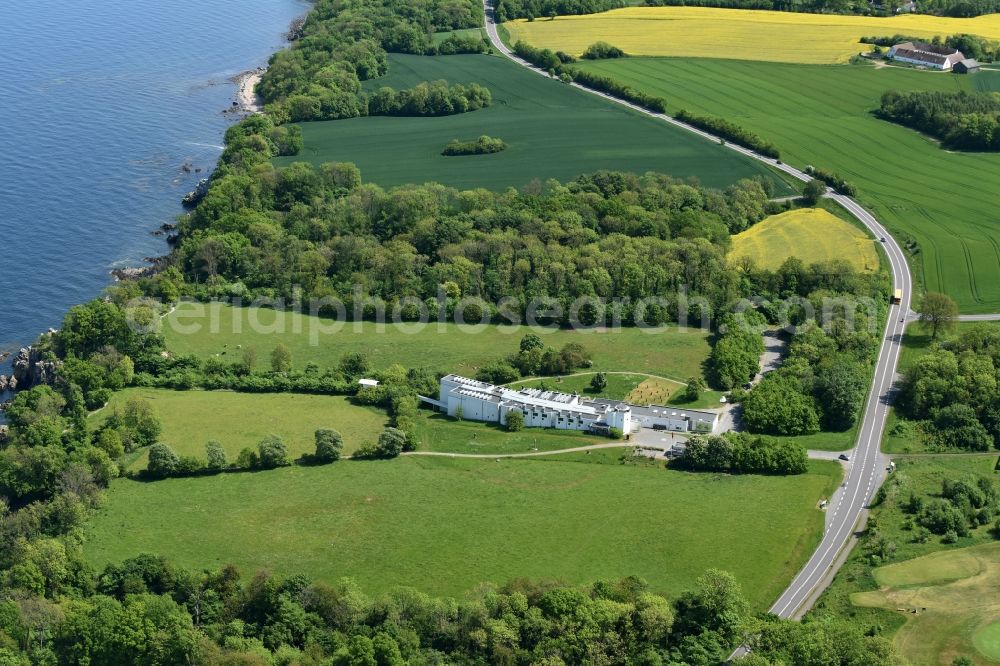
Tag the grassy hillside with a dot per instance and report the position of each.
(810, 234)
(551, 130)
(956, 592)
(237, 420)
(670, 352)
(699, 32)
(821, 115)
(953, 587)
(444, 525)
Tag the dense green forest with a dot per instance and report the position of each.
(344, 43)
(530, 9)
(605, 235)
(953, 392)
(962, 120)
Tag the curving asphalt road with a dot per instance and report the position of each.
(868, 465)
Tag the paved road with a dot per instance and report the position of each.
(980, 317)
(867, 467)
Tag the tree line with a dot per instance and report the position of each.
(962, 120)
(730, 131)
(971, 46)
(146, 610)
(834, 180)
(535, 358)
(555, 63)
(742, 453)
(507, 10)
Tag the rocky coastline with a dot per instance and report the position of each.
(29, 368)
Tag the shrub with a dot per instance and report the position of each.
(515, 420)
(216, 457)
(601, 51)
(484, 145)
(329, 444)
(391, 442)
(834, 180)
(247, 458)
(272, 453)
(163, 461)
(599, 382)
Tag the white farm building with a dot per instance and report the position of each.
(926, 55)
(479, 401)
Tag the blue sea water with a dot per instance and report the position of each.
(101, 103)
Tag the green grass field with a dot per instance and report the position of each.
(956, 595)
(552, 131)
(237, 420)
(438, 432)
(810, 234)
(445, 525)
(921, 575)
(669, 352)
(821, 115)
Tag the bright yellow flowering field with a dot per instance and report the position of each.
(702, 32)
(811, 234)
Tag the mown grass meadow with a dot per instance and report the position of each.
(237, 420)
(445, 525)
(223, 330)
(955, 595)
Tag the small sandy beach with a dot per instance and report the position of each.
(247, 101)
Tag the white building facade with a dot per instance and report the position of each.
(479, 401)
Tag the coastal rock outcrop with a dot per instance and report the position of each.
(192, 198)
(7, 383)
(30, 369)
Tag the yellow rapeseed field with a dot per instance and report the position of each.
(702, 32)
(811, 234)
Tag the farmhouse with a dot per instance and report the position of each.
(479, 401)
(967, 66)
(926, 55)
